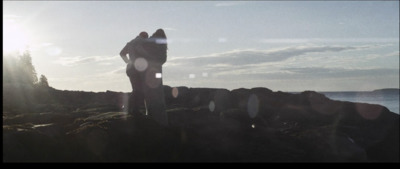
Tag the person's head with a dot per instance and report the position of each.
(159, 34)
(160, 38)
(143, 34)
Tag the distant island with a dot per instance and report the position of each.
(388, 90)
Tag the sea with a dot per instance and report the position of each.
(387, 98)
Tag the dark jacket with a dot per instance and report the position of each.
(157, 50)
(134, 49)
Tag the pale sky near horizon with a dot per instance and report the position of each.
(283, 46)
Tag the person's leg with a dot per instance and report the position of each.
(156, 105)
(136, 99)
(154, 96)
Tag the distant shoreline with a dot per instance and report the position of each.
(370, 91)
(386, 90)
(392, 90)
(386, 97)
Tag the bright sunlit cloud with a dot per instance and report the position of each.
(15, 38)
(78, 60)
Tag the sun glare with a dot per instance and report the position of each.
(14, 37)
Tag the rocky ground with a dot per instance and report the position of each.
(206, 125)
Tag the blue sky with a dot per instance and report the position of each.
(286, 46)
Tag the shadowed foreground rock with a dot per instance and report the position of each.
(206, 125)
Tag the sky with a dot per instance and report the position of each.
(280, 45)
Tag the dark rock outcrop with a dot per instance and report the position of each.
(206, 125)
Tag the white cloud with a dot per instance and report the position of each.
(99, 82)
(48, 48)
(170, 29)
(393, 54)
(274, 41)
(330, 40)
(320, 72)
(251, 56)
(311, 73)
(296, 64)
(222, 40)
(10, 18)
(78, 60)
(121, 70)
(40, 46)
(231, 3)
(183, 40)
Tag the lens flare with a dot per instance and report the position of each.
(161, 41)
(252, 106)
(369, 111)
(211, 106)
(140, 64)
(175, 92)
(151, 79)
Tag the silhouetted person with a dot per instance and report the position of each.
(146, 57)
(134, 70)
(156, 47)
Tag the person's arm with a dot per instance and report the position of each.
(163, 54)
(160, 53)
(124, 52)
